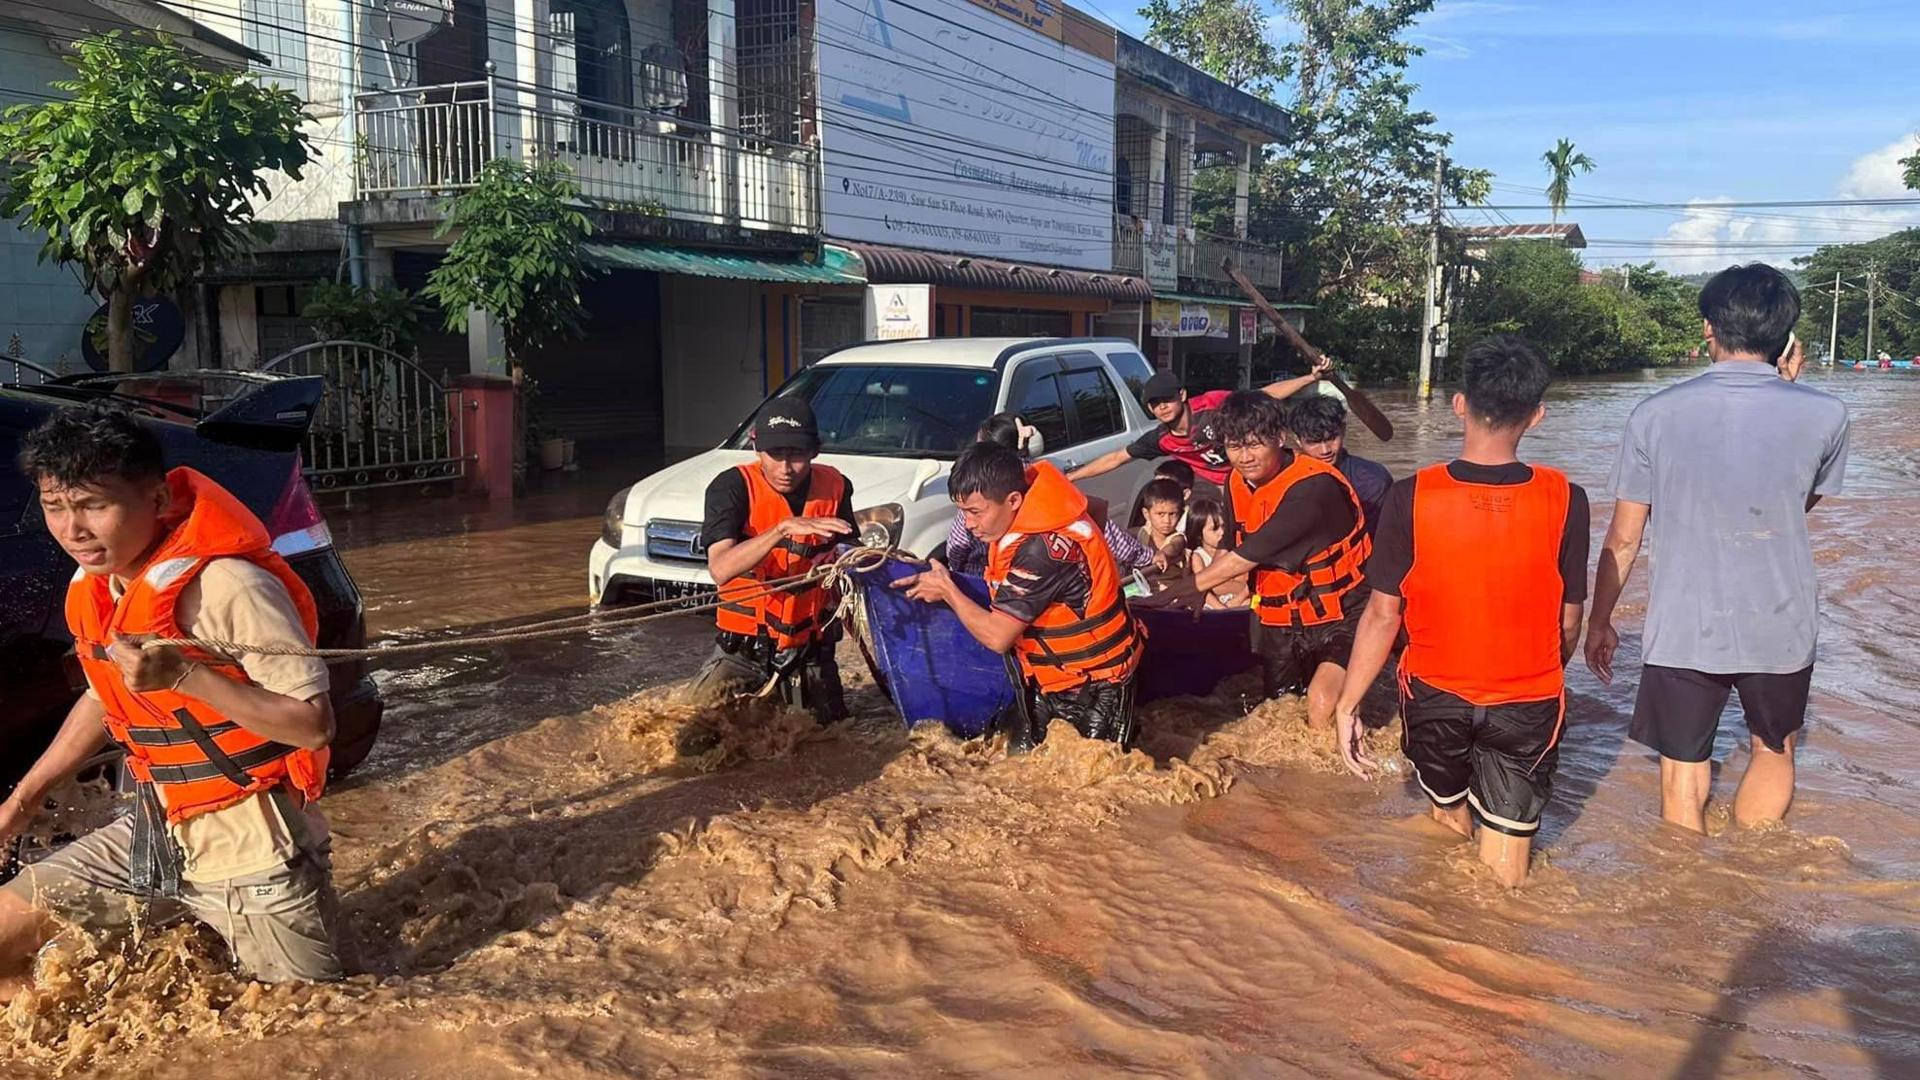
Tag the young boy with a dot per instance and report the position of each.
(1319, 428)
(1056, 597)
(1165, 508)
(1485, 559)
(227, 756)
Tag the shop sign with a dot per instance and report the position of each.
(1249, 326)
(899, 312)
(1172, 319)
(1160, 256)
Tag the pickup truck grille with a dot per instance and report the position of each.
(675, 541)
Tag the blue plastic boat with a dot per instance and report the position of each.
(934, 670)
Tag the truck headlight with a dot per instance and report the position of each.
(880, 525)
(612, 520)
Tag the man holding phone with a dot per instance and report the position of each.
(1732, 460)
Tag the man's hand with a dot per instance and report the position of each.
(930, 586)
(1350, 738)
(1793, 361)
(1322, 367)
(1602, 642)
(1160, 563)
(15, 816)
(813, 526)
(145, 667)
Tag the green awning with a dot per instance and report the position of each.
(1229, 301)
(832, 269)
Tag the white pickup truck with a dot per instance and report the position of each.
(893, 417)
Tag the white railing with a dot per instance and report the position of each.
(1199, 258)
(432, 140)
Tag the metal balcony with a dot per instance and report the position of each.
(1200, 258)
(431, 141)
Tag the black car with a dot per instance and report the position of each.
(244, 431)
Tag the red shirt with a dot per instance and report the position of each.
(1199, 447)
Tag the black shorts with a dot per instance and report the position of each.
(1097, 710)
(1500, 758)
(1289, 656)
(1678, 710)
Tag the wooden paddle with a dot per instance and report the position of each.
(1362, 405)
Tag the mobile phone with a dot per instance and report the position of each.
(1792, 340)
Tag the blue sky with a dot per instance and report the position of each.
(1678, 102)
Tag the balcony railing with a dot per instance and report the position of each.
(428, 141)
(1199, 258)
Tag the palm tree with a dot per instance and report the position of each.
(1561, 163)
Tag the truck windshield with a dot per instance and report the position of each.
(905, 410)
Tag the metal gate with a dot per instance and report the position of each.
(22, 372)
(384, 421)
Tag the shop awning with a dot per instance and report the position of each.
(834, 268)
(1229, 301)
(884, 265)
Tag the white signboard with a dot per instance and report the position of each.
(948, 127)
(1160, 256)
(899, 312)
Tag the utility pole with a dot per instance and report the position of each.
(1871, 289)
(349, 85)
(1430, 317)
(1833, 333)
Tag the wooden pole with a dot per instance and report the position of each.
(1362, 405)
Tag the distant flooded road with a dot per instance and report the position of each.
(539, 884)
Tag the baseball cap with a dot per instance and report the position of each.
(786, 423)
(1163, 386)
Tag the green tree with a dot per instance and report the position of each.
(516, 255)
(1227, 39)
(387, 316)
(147, 170)
(1535, 290)
(1912, 166)
(1562, 161)
(1894, 262)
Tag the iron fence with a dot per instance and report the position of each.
(384, 421)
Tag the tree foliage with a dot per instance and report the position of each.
(517, 255)
(1227, 39)
(1912, 166)
(1535, 290)
(1894, 261)
(1562, 162)
(388, 316)
(149, 168)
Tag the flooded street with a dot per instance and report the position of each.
(538, 883)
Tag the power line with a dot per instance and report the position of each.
(1895, 201)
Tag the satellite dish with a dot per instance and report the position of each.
(408, 21)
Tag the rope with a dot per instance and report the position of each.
(832, 575)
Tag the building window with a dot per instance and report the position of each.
(277, 29)
(773, 62)
(593, 50)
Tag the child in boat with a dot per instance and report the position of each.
(1206, 533)
(1164, 505)
(965, 552)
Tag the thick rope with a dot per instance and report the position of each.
(830, 575)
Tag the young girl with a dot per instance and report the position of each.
(1206, 531)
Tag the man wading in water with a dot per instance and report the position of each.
(1056, 599)
(768, 520)
(1732, 461)
(1485, 558)
(228, 757)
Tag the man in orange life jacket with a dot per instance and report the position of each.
(227, 756)
(1057, 605)
(1485, 559)
(1301, 534)
(774, 518)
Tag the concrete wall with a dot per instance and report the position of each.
(43, 304)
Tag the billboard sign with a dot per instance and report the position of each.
(953, 128)
(899, 312)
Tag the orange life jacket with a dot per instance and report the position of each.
(1484, 594)
(196, 759)
(1062, 650)
(789, 617)
(1314, 594)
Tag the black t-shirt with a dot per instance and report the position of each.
(1199, 447)
(1393, 544)
(727, 507)
(1047, 569)
(1315, 514)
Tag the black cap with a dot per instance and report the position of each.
(1164, 386)
(786, 423)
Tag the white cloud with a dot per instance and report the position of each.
(1711, 236)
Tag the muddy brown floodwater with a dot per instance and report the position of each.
(538, 884)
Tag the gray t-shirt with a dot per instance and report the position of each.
(1728, 460)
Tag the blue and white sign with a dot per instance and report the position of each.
(948, 127)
